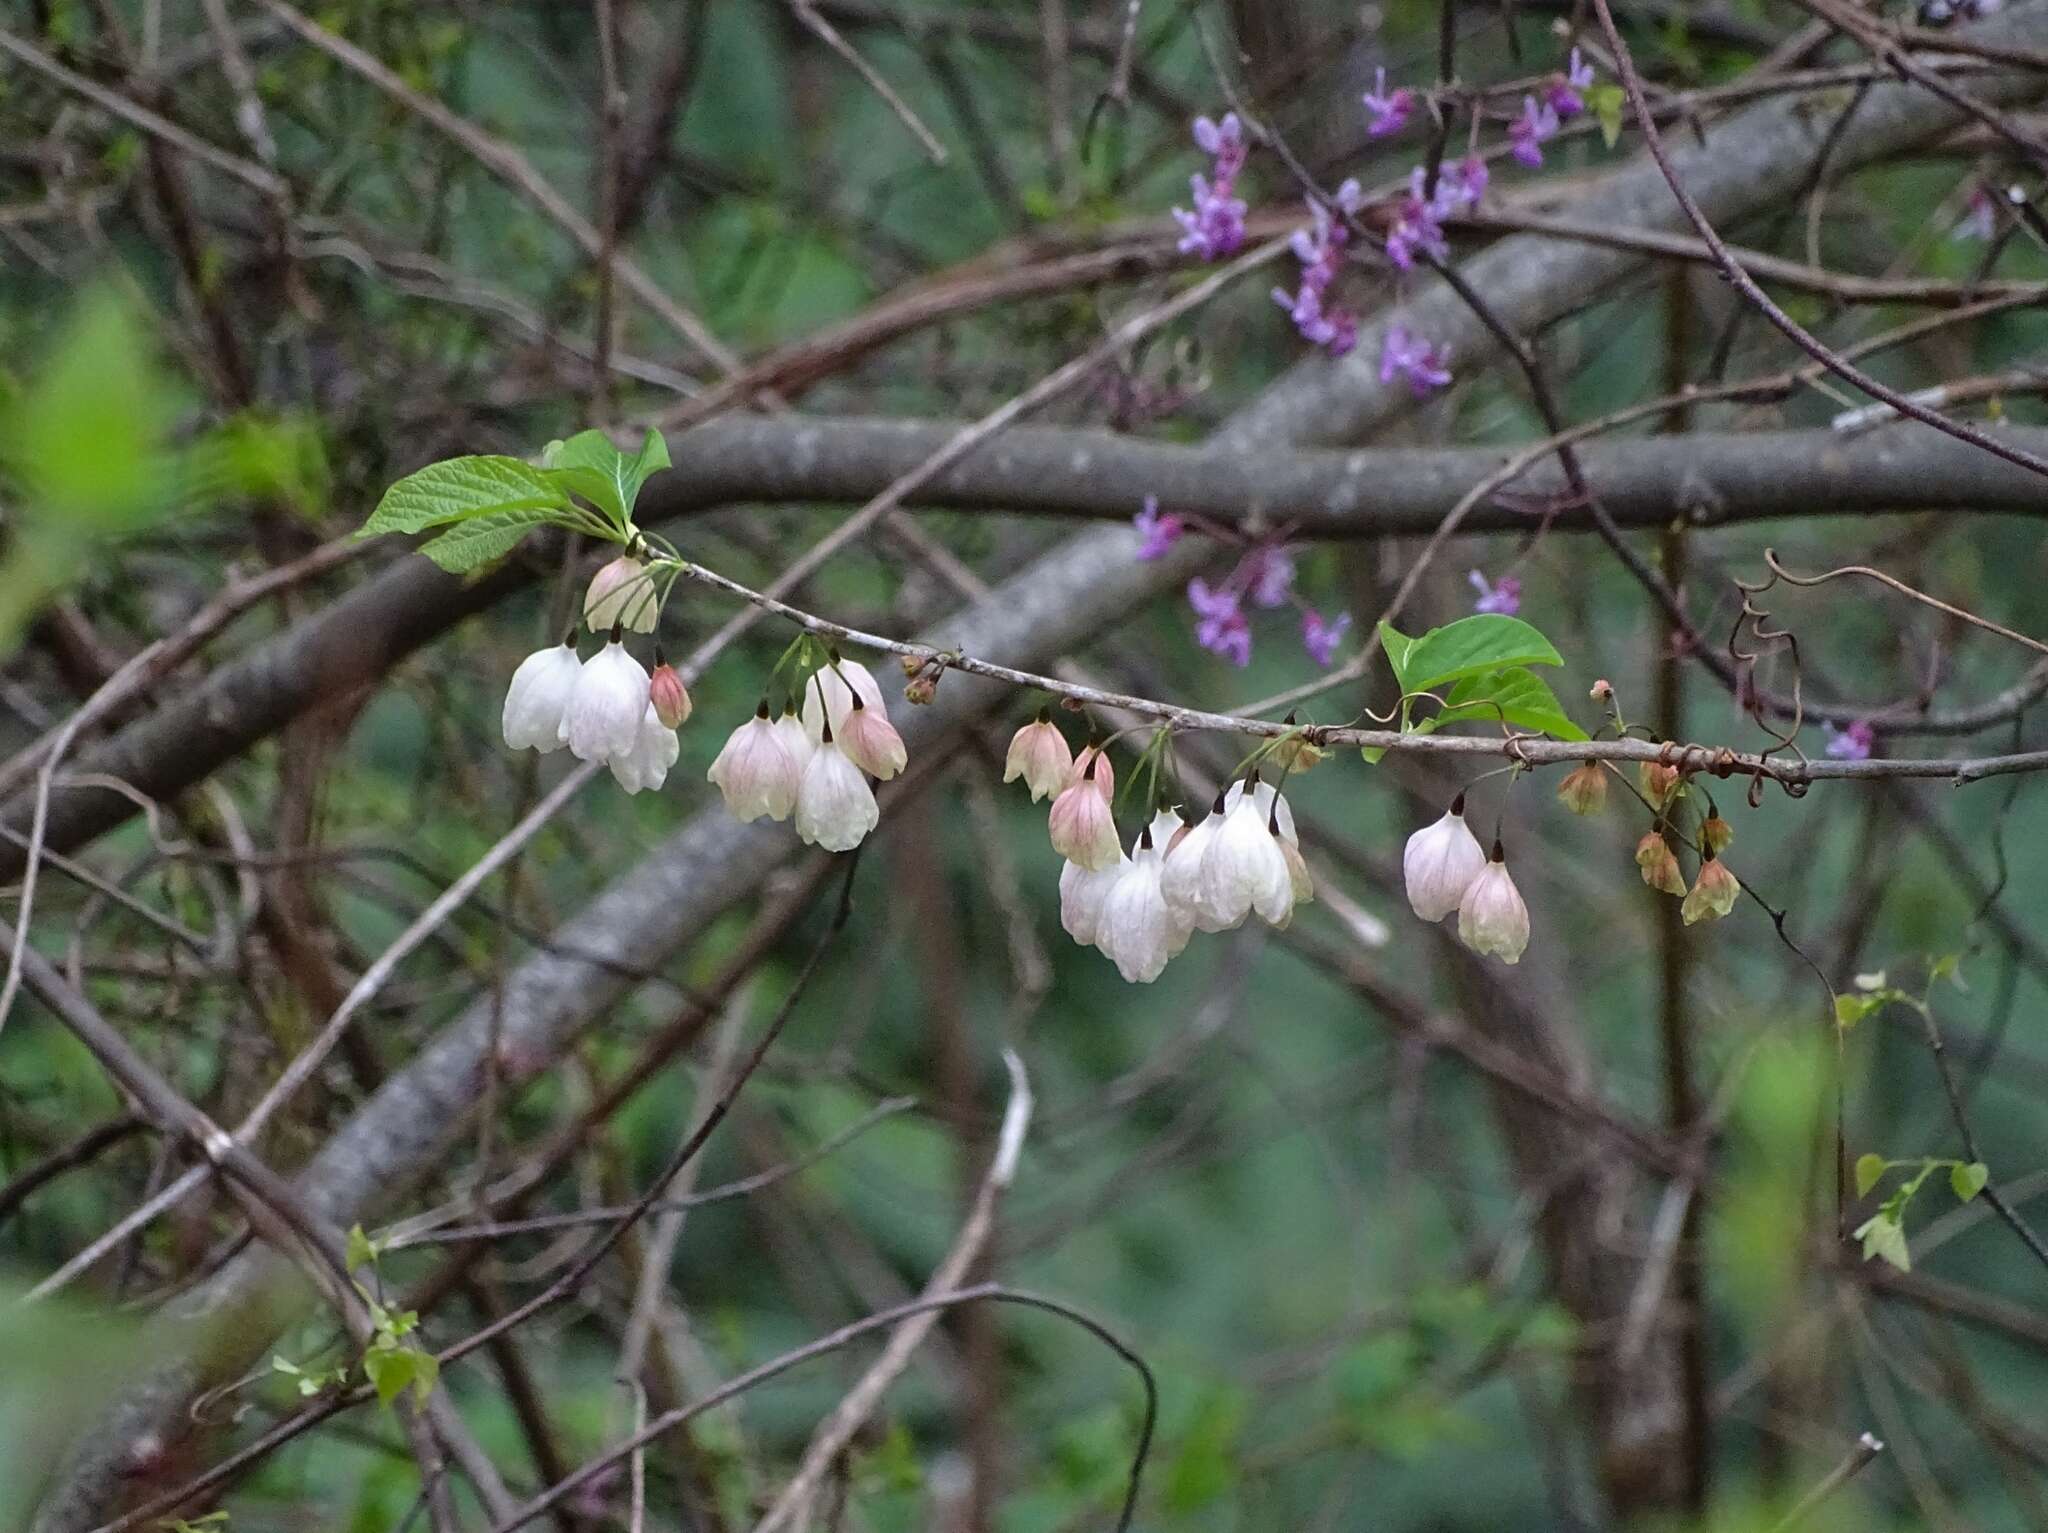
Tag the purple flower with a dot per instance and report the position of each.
(1404, 355)
(1853, 743)
(1459, 187)
(1503, 596)
(1536, 126)
(1221, 629)
(1320, 249)
(1214, 228)
(1567, 95)
(1980, 222)
(1268, 574)
(1389, 112)
(1321, 639)
(1418, 227)
(1159, 532)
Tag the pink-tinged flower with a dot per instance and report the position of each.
(795, 738)
(1082, 891)
(1387, 111)
(1503, 596)
(755, 771)
(1080, 825)
(1439, 863)
(1491, 917)
(605, 707)
(1157, 532)
(1980, 216)
(670, 698)
(828, 696)
(1268, 575)
(1409, 356)
(1321, 638)
(1584, 789)
(1221, 627)
(1214, 227)
(621, 595)
(1528, 133)
(539, 697)
(1567, 93)
(1713, 892)
(872, 743)
(654, 750)
(1852, 744)
(1039, 755)
(835, 807)
(1093, 765)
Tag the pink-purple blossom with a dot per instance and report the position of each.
(1980, 217)
(1214, 227)
(1851, 744)
(1567, 94)
(1406, 355)
(1158, 531)
(1387, 111)
(1320, 249)
(1418, 227)
(1220, 624)
(1268, 575)
(1321, 638)
(1503, 596)
(1527, 134)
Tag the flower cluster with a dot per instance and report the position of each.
(1386, 111)
(1503, 596)
(1320, 250)
(1851, 744)
(1564, 98)
(1446, 870)
(1140, 908)
(1404, 355)
(1214, 227)
(1419, 216)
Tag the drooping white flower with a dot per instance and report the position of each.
(828, 695)
(666, 691)
(654, 751)
(1270, 805)
(1243, 870)
(1137, 932)
(795, 738)
(1492, 917)
(1155, 841)
(538, 697)
(1082, 891)
(606, 705)
(1440, 862)
(1081, 826)
(835, 807)
(872, 742)
(1039, 755)
(1297, 871)
(755, 770)
(621, 595)
(1180, 877)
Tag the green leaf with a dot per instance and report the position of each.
(458, 489)
(1968, 1180)
(1883, 1236)
(1516, 696)
(1470, 647)
(392, 1369)
(1397, 645)
(362, 1250)
(1869, 1169)
(1851, 1009)
(483, 538)
(590, 466)
(1607, 102)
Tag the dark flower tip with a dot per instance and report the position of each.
(1088, 772)
(660, 659)
(761, 712)
(857, 703)
(826, 739)
(1145, 838)
(618, 633)
(569, 639)
(1498, 854)
(1217, 807)
(1458, 806)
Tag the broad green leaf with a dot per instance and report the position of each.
(1869, 1170)
(1516, 696)
(1968, 1180)
(1851, 1009)
(1397, 645)
(1607, 102)
(589, 465)
(392, 1369)
(362, 1250)
(1488, 641)
(483, 538)
(460, 488)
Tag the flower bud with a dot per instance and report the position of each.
(539, 697)
(1080, 825)
(922, 690)
(756, 771)
(1491, 916)
(1602, 691)
(665, 690)
(1584, 789)
(1660, 783)
(1659, 864)
(872, 742)
(621, 595)
(1715, 834)
(1713, 892)
(1440, 862)
(1038, 754)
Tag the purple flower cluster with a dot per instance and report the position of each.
(1320, 249)
(1405, 355)
(1215, 227)
(1321, 638)
(1853, 743)
(1157, 532)
(1503, 596)
(1387, 112)
(1567, 95)
(1419, 221)
(1564, 97)
(1264, 577)
(1220, 625)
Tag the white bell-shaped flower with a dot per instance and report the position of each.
(1440, 862)
(1081, 826)
(539, 697)
(606, 705)
(755, 771)
(1155, 841)
(795, 738)
(1082, 891)
(1492, 917)
(621, 595)
(1243, 870)
(835, 807)
(1039, 754)
(654, 751)
(872, 742)
(1180, 877)
(1136, 931)
(1270, 805)
(828, 696)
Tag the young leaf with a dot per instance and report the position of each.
(1397, 645)
(483, 538)
(457, 489)
(1606, 102)
(1516, 696)
(1883, 1236)
(362, 1250)
(1869, 1169)
(589, 465)
(1851, 1009)
(1968, 1180)
(1470, 647)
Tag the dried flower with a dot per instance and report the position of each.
(1716, 834)
(756, 771)
(835, 807)
(1491, 917)
(1660, 783)
(1713, 892)
(1439, 863)
(605, 707)
(539, 697)
(1039, 754)
(621, 595)
(1659, 864)
(1584, 789)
